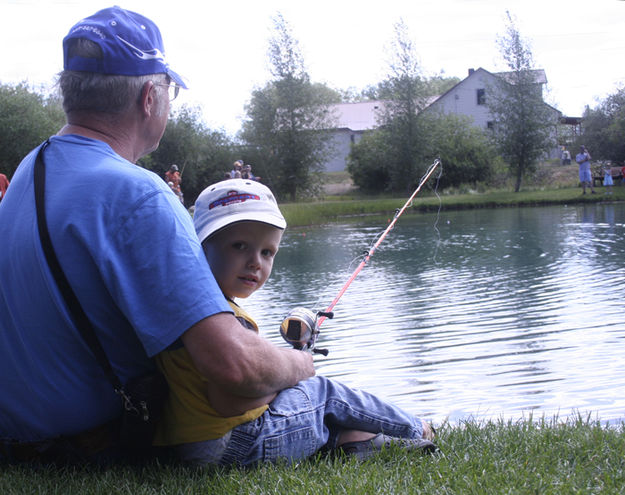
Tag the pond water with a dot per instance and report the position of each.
(480, 314)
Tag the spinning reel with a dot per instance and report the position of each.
(300, 328)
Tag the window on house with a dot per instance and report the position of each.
(481, 97)
(490, 125)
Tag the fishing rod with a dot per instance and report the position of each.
(300, 328)
(183, 167)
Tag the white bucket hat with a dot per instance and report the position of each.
(235, 200)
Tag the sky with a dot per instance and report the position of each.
(221, 47)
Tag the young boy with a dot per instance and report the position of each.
(240, 226)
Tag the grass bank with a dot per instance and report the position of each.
(519, 457)
(338, 208)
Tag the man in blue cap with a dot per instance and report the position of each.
(111, 225)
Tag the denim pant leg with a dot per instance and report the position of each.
(303, 419)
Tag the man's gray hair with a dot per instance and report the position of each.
(99, 93)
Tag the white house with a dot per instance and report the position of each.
(352, 120)
(468, 97)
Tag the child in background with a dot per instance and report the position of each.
(607, 178)
(247, 173)
(240, 226)
(236, 167)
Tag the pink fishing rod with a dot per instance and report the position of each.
(300, 328)
(371, 251)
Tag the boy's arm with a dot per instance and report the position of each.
(241, 362)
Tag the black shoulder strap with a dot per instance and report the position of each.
(79, 317)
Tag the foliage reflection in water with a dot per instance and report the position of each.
(473, 314)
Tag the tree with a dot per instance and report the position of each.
(202, 155)
(522, 122)
(406, 95)
(466, 152)
(288, 121)
(368, 163)
(433, 86)
(604, 128)
(26, 120)
(395, 156)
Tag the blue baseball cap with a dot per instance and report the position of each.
(131, 45)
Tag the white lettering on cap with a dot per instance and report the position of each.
(93, 29)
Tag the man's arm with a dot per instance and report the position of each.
(241, 361)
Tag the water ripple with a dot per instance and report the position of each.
(520, 311)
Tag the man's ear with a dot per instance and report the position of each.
(147, 100)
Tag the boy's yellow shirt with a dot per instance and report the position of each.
(187, 415)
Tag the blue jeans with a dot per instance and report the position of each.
(301, 421)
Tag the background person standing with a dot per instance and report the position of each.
(173, 177)
(585, 177)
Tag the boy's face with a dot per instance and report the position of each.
(241, 256)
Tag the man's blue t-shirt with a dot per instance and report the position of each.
(130, 252)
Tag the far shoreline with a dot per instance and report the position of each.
(333, 209)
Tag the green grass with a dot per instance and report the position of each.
(336, 177)
(497, 457)
(336, 209)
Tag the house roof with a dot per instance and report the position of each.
(362, 116)
(359, 116)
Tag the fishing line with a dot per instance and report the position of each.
(301, 326)
(332, 289)
(438, 215)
